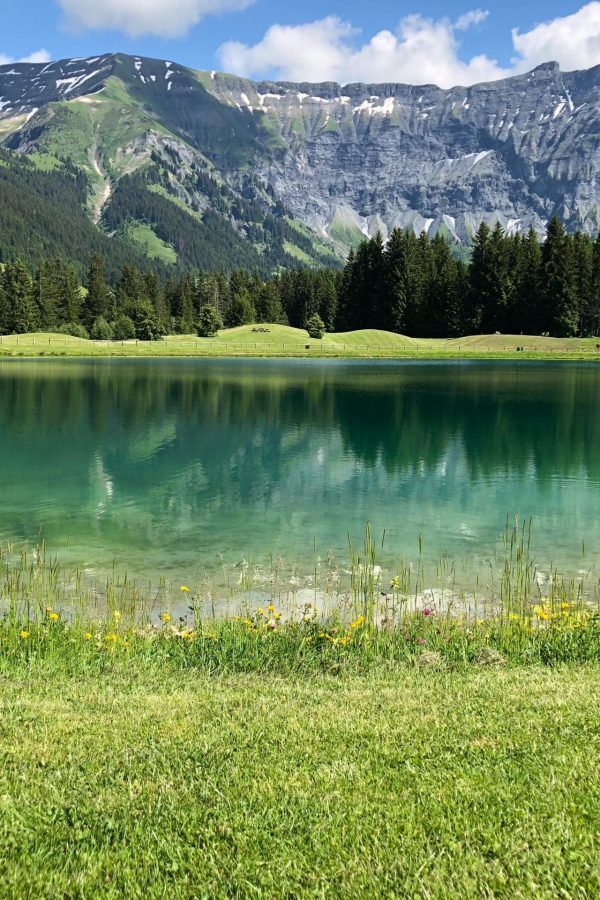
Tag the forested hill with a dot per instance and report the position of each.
(412, 286)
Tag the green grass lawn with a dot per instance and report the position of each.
(150, 782)
(285, 341)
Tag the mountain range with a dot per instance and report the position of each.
(211, 170)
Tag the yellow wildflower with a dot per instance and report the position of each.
(277, 616)
(514, 617)
(166, 617)
(117, 615)
(184, 588)
(54, 616)
(542, 613)
(88, 636)
(360, 621)
(112, 637)
(24, 635)
(270, 608)
(260, 611)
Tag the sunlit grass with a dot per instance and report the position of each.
(246, 619)
(155, 783)
(283, 341)
(347, 734)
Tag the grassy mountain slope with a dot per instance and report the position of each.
(162, 166)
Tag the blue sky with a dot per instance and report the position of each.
(315, 40)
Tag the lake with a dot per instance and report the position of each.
(167, 467)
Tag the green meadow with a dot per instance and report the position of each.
(282, 341)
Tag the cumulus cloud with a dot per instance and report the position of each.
(38, 56)
(573, 41)
(141, 17)
(419, 51)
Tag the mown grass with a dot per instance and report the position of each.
(283, 341)
(384, 747)
(155, 783)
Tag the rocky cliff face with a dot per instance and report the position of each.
(348, 161)
(364, 157)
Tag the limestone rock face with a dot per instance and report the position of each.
(348, 161)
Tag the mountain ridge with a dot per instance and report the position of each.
(326, 164)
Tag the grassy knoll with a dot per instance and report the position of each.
(152, 782)
(282, 341)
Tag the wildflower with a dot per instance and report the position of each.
(542, 613)
(422, 641)
(88, 636)
(260, 611)
(270, 608)
(514, 617)
(277, 616)
(272, 624)
(358, 622)
(185, 589)
(117, 615)
(53, 616)
(427, 611)
(166, 618)
(24, 635)
(112, 637)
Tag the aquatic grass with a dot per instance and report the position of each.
(265, 620)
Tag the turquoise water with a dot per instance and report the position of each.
(164, 466)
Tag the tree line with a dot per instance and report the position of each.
(410, 285)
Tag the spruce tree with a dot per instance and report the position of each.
(558, 281)
(19, 294)
(96, 303)
(396, 282)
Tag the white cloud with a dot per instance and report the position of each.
(419, 51)
(138, 17)
(573, 41)
(39, 56)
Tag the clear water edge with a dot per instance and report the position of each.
(168, 468)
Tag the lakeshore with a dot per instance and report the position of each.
(280, 341)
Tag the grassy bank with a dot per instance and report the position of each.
(389, 746)
(282, 341)
(148, 782)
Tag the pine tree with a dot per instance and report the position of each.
(19, 298)
(558, 281)
(209, 321)
(240, 310)
(529, 315)
(592, 314)
(480, 287)
(69, 306)
(97, 301)
(396, 281)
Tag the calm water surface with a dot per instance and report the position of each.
(164, 465)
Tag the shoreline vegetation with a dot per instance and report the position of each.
(344, 617)
(281, 341)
